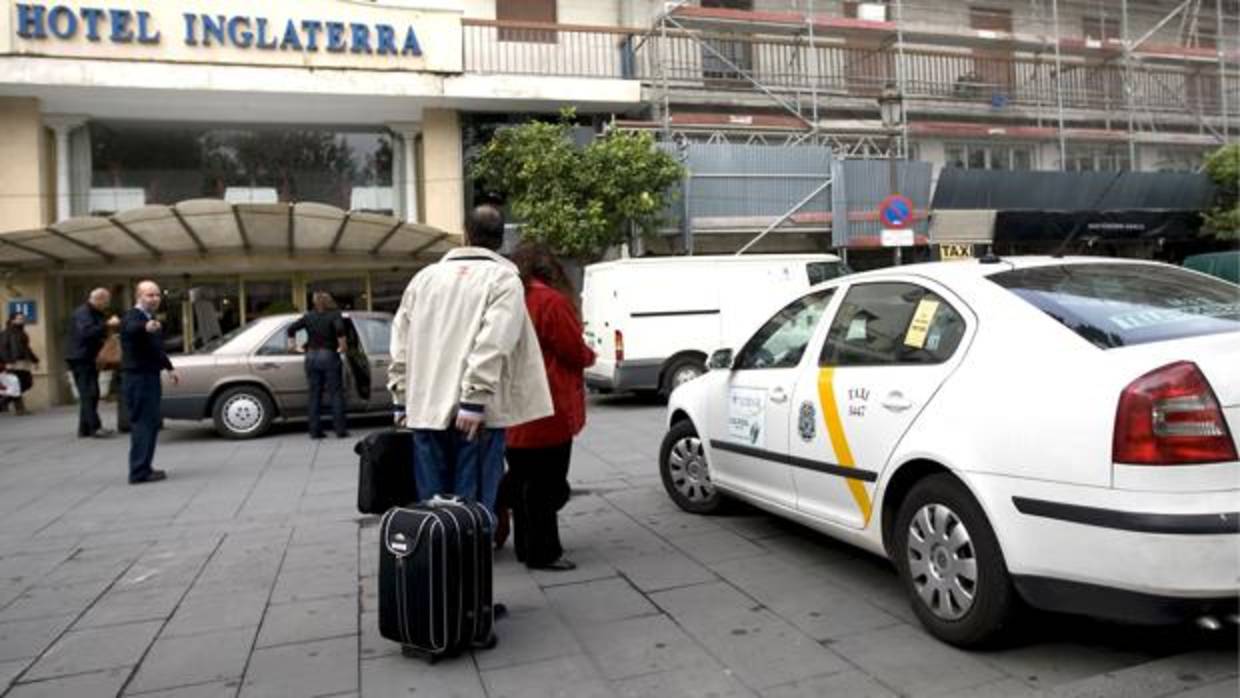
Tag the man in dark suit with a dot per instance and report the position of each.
(142, 348)
(86, 335)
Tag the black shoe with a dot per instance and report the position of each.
(561, 564)
(103, 434)
(155, 476)
(500, 611)
(342, 435)
(318, 436)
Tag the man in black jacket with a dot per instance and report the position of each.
(143, 357)
(86, 335)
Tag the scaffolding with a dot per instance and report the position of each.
(1128, 71)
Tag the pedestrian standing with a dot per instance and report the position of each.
(16, 354)
(87, 330)
(539, 451)
(465, 364)
(143, 358)
(325, 344)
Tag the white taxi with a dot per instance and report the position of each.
(1053, 431)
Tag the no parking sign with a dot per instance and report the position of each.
(895, 213)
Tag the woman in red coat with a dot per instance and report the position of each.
(538, 452)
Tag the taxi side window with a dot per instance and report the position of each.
(892, 323)
(781, 342)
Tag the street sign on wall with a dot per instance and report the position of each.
(896, 211)
(25, 306)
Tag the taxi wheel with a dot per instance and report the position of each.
(244, 412)
(686, 474)
(951, 564)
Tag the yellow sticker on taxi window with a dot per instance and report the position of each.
(920, 324)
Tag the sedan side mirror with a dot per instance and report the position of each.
(721, 359)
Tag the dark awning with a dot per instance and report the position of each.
(1072, 191)
(1103, 226)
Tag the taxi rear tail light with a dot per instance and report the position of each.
(1170, 416)
(619, 345)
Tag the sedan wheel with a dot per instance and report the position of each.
(243, 413)
(686, 472)
(951, 564)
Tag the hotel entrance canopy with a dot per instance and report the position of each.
(199, 229)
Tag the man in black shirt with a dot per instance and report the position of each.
(325, 342)
(87, 331)
(143, 357)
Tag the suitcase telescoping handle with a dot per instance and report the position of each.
(440, 500)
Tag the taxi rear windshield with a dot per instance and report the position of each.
(1116, 305)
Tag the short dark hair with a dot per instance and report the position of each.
(484, 227)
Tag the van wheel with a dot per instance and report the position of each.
(951, 564)
(685, 471)
(681, 371)
(244, 412)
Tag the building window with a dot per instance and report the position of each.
(139, 164)
(1100, 158)
(990, 156)
(1100, 28)
(529, 12)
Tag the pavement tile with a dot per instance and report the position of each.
(102, 683)
(599, 601)
(715, 682)
(219, 689)
(306, 585)
(321, 668)
(1048, 664)
(1227, 688)
(528, 637)
(373, 644)
(203, 613)
(45, 601)
(564, 677)
(1192, 670)
(182, 661)
(395, 675)
(829, 614)
(914, 663)
(82, 651)
(716, 546)
(654, 572)
(761, 648)
(302, 621)
(25, 639)
(850, 683)
(10, 670)
(131, 606)
(637, 646)
(590, 565)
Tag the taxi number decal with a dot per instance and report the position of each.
(920, 324)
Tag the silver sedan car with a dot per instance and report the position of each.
(249, 378)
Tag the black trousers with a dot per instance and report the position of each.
(142, 396)
(536, 489)
(323, 373)
(86, 378)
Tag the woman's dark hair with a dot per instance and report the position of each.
(13, 319)
(534, 260)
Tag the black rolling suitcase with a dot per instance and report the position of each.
(435, 577)
(385, 471)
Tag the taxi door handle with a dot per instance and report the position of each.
(267, 366)
(895, 402)
(778, 395)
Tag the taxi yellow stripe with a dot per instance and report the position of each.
(839, 442)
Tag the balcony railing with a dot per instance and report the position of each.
(732, 62)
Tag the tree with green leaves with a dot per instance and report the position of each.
(578, 201)
(1223, 166)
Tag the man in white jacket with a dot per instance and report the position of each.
(466, 364)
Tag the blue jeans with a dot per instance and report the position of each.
(142, 397)
(323, 373)
(446, 463)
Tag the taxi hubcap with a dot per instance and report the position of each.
(243, 413)
(942, 562)
(690, 474)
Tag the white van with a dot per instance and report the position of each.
(653, 321)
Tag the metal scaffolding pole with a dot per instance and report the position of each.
(1063, 146)
(1222, 68)
(813, 51)
(900, 79)
(1128, 83)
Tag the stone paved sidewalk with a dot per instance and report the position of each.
(249, 573)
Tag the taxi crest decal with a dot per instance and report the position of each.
(806, 421)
